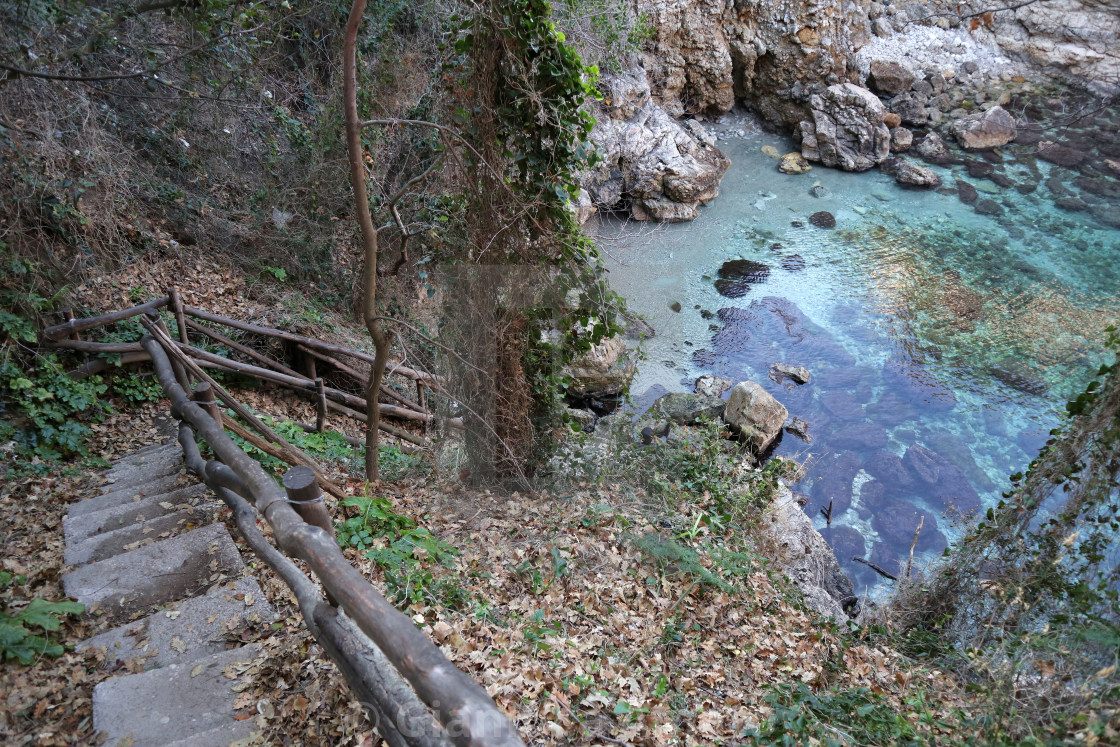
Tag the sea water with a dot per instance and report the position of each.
(943, 342)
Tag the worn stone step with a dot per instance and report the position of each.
(221, 736)
(128, 493)
(169, 704)
(101, 546)
(145, 451)
(194, 628)
(156, 574)
(120, 478)
(110, 519)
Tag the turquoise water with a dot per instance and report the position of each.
(943, 343)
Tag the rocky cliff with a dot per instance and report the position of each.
(706, 54)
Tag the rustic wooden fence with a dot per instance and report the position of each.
(414, 695)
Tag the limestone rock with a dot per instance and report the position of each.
(756, 415)
(709, 385)
(889, 78)
(779, 372)
(804, 556)
(793, 163)
(688, 409)
(667, 169)
(933, 149)
(847, 129)
(705, 54)
(910, 174)
(901, 139)
(990, 129)
(604, 370)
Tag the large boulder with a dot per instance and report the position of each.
(666, 168)
(991, 129)
(604, 370)
(756, 415)
(889, 78)
(847, 129)
(688, 409)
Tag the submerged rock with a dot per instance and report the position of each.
(847, 129)
(755, 415)
(966, 192)
(990, 129)
(835, 484)
(738, 275)
(793, 163)
(896, 520)
(1061, 155)
(823, 219)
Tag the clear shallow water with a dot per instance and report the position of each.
(943, 343)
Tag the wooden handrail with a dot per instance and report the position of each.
(469, 717)
(77, 325)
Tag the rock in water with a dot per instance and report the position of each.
(990, 129)
(738, 275)
(793, 163)
(756, 415)
(889, 78)
(823, 219)
(847, 130)
(1062, 155)
(966, 192)
(712, 386)
(910, 174)
(933, 149)
(779, 372)
(688, 409)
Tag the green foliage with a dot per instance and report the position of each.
(137, 388)
(399, 547)
(606, 32)
(17, 641)
(839, 718)
(674, 557)
(45, 411)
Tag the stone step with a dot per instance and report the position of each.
(101, 546)
(137, 476)
(193, 629)
(141, 453)
(156, 574)
(221, 736)
(110, 519)
(127, 493)
(170, 704)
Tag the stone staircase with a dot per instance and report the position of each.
(150, 556)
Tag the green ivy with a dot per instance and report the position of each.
(17, 641)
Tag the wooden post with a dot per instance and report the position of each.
(180, 317)
(303, 493)
(421, 401)
(321, 409)
(70, 320)
(203, 394)
(176, 366)
(309, 362)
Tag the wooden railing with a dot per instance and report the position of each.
(413, 694)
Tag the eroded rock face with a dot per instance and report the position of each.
(847, 129)
(707, 53)
(1077, 36)
(990, 129)
(804, 556)
(756, 415)
(668, 169)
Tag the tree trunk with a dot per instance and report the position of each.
(369, 233)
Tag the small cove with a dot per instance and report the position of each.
(942, 342)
